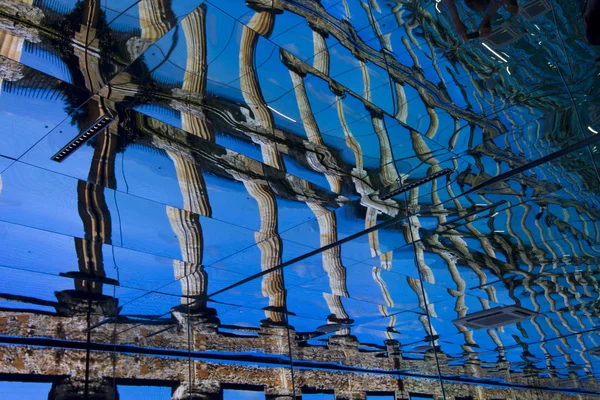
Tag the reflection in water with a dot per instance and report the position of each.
(224, 236)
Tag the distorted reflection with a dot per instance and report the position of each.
(285, 199)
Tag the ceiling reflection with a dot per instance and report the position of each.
(285, 199)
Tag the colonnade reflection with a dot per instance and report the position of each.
(445, 256)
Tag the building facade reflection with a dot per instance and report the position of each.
(537, 250)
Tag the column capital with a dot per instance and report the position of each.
(273, 6)
(317, 27)
(203, 390)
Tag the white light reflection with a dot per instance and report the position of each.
(592, 130)
(493, 52)
(283, 115)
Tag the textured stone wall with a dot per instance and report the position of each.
(342, 351)
(209, 376)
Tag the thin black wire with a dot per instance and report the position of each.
(189, 335)
(116, 322)
(562, 42)
(579, 122)
(87, 346)
(123, 172)
(116, 310)
(287, 327)
(387, 223)
(425, 303)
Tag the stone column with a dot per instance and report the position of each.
(102, 170)
(196, 70)
(88, 46)
(267, 238)
(187, 227)
(156, 18)
(191, 184)
(270, 245)
(93, 210)
(388, 171)
(11, 46)
(359, 175)
(200, 390)
(261, 24)
(332, 258)
(310, 124)
(321, 52)
(190, 272)
(332, 264)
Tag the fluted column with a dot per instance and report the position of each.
(321, 63)
(359, 175)
(270, 245)
(332, 258)
(402, 104)
(186, 226)
(389, 173)
(191, 275)
(88, 48)
(11, 46)
(327, 220)
(310, 124)
(102, 170)
(366, 94)
(196, 70)
(389, 302)
(267, 239)
(370, 221)
(94, 212)
(189, 271)
(191, 184)
(95, 217)
(262, 23)
(156, 18)
(321, 52)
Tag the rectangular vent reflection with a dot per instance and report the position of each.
(495, 317)
(534, 9)
(98, 126)
(398, 188)
(504, 35)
